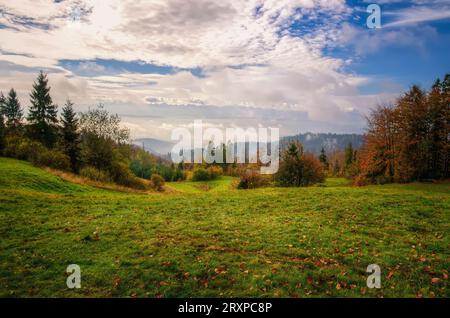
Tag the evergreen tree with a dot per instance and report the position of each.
(2, 124)
(290, 172)
(2, 102)
(70, 134)
(349, 155)
(12, 112)
(323, 158)
(43, 113)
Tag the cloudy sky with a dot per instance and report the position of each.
(300, 65)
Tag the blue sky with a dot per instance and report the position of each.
(300, 65)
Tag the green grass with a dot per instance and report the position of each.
(273, 242)
(222, 184)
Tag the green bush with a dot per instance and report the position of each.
(23, 148)
(95, 174)
(121, 174)
(158, 182)
(36, 153)
(200, 174)
(54, 159)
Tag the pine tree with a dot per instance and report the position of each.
(2, 102)
(43, 113)
(323, 158)
(12, 112)
(2, 124)
(70, 134)
(349, 155)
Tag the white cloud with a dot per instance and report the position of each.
(281, 71)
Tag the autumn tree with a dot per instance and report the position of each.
(42, 115)
(410, 140)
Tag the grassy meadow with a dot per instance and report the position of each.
(211, 240)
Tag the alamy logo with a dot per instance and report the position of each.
(374, 279)
(374, 19)
(74, 276)
(236, 145)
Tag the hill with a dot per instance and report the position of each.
(210, 240)
(313, 142)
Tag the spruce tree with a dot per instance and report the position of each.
(70, 134)
(323, 158)
(2, 130)
(13, 113)
(2, 102)
(43, 113)
(349, 155)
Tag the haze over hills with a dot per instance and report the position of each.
(312, 142)
(155, 146)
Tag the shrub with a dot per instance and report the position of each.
(53, 159)
(158, 182)
(214, 172)
(121, 174)
(313, 171)
(298, 169)
(22, 148)
(95, 174)
(179, 175)
(251, 179)
(200, 174)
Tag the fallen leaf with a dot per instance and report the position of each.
(435, 280)
(389, 276)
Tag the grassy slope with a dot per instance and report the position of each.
(313, 241)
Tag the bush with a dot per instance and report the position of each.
(200, 174)
(298, 169)
(121, 174)
(36, 153)
(158, 182)
(23, 148)
(214, 172)
(313, 171)
(53, 159)
(95, 174)
(251, 179)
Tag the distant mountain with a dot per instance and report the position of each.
(155, 146)
(313, 142)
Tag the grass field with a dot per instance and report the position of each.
(210, 240)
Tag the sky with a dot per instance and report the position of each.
(299, 65)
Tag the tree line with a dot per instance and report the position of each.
(92, 143)
(408, 140)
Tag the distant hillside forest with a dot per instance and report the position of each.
(312, 143)
(404, 142)
(315, 142)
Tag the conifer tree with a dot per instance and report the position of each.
(323, 158)
(43, 113)
(13, 113)
(348, 155)
(2, 124)
(70, 134)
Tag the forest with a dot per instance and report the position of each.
(404, 142)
